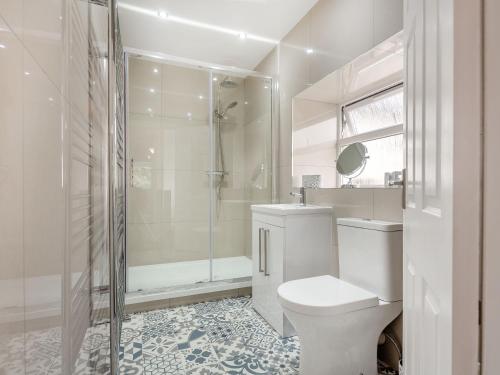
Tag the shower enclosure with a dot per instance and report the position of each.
(199, 153)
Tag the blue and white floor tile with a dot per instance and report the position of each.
(211, 338)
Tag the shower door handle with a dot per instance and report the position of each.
(261, 236)
(266, 241)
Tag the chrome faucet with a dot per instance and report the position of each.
(301, 194)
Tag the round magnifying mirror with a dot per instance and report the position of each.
(352, 160)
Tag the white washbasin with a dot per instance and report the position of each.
(290, 209)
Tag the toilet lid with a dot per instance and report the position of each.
(324, 295)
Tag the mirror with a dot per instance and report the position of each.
(359, 105)
(352, 161)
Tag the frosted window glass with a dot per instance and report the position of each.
(375, 113)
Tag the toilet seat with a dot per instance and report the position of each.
(324, 295)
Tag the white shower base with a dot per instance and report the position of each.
(169, 280)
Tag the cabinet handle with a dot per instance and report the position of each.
(266, 240)
(261, 230)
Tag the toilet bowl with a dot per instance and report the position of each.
(338, 324)
(339, 320)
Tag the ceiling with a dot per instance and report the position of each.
(232, 33)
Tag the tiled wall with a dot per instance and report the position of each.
(45, 192)
(337, 31)
(314, 143)
(376, 203)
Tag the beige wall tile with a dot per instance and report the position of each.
(191, 240)
(387, 204)
(285, 184)
(43, 36)
(150, 243)
(229, 238)
(12, 13)
(340, 30)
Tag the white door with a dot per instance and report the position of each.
(441, 219)
(427, 297)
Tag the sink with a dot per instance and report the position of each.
(290, 209)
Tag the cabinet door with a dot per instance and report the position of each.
(273, 255)
(259, 281)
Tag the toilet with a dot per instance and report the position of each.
(339, 320)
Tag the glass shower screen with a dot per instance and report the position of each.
(198, 155)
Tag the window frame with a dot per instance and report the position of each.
(389, 131)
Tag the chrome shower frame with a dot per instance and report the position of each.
(213, 173)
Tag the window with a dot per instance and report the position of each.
(377, 122)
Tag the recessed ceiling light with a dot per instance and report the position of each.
(155, 70)
(246, 102)
(159, 13)
(266, 87)
(27, 73)
(152, 150)
(150, 110)
(162, 14)
(215, 79)
(189, 115)
(152, 91)
(200, 97)
(2, 46)
(51, 99)
(309, 51)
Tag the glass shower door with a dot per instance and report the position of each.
(198, 155)
(168, 189)
(242, 124)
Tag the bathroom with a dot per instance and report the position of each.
(248, 187)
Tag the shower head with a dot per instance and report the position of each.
(231, 105)
(228, 83)
(222, 115)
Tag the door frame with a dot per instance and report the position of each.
(467, 185)
(491, 202)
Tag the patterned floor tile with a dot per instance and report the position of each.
(219, 337)
(172, 363)
(206, 370)
(197, 356)
(212, 338)
(244, 363)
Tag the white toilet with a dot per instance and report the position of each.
(339, 320)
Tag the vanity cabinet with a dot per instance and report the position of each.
(288, 242)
